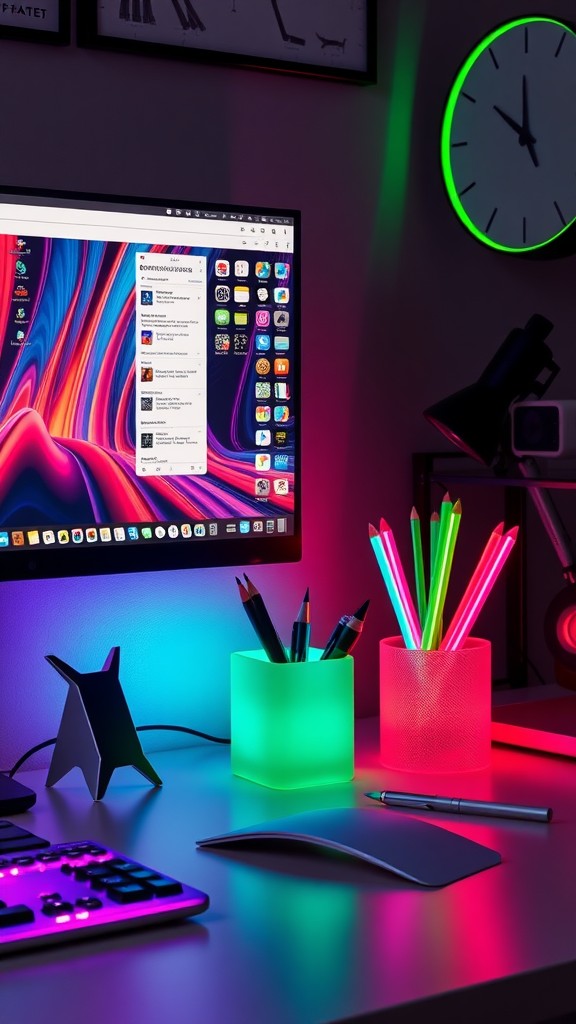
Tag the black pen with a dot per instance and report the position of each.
(455, 805)
(301, 631)
(260, 619)
(346, 634)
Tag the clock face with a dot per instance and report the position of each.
(509, 136)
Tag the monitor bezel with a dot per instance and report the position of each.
(170, 555)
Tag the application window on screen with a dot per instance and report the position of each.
(170, 364)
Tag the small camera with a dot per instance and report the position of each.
(544, 428)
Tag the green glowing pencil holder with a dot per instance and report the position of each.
(292, 725)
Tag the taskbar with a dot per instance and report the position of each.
(145, 533)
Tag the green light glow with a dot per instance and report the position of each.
(447, 130)
(396, 157)
(292, 725)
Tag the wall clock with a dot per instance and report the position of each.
(508, 143)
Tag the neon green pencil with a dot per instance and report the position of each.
(434, 531)
(418, 564)
(445, 512)
(445, 554)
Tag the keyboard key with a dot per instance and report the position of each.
(13, 845)
(89, 903)
(103, 881)
(128, 893)
(138, 874)
(13, 838)
(53, 908)
(89, 871)
(18, 914)
(164, 886)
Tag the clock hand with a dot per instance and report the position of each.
(523, 136)
(525, 115)
(526, 138)
(531, 149)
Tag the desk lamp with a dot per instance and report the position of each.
(475, 419)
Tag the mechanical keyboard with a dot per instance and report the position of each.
(63, 892)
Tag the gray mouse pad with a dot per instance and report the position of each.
(413, 849)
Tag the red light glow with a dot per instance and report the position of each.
(566, 630)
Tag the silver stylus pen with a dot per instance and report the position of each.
(455, 805)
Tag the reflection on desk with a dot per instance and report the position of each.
(307, 940)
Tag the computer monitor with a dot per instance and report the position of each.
(149, 384)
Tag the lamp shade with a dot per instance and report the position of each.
(463, 419)
(474, 419)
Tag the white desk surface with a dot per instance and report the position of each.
(308, 938)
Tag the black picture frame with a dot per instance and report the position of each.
(48, 22)
(269, 25)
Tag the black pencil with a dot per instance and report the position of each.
(301, 631)
(261, 621)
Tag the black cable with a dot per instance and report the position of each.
(139, 728)
(184, 728)
(536, 672)
(34, 750)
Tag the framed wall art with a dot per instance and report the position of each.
(45, 22)
(324, 38)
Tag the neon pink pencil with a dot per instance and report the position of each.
(483, 578)
(492, 544)
(393, 556)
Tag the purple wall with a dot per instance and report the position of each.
(400, 307)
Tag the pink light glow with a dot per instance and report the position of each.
(401, 582)
(475, 596)
(492, 544)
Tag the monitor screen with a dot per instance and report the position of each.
(149, 384)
